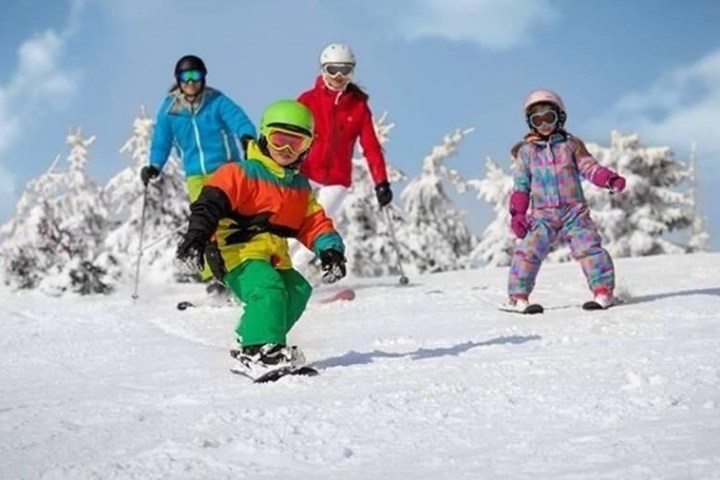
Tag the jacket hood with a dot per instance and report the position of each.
(180, 103)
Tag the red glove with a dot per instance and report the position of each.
(519, 202)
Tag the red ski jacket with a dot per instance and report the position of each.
(340, 118)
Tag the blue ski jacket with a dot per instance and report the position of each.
(206, 133)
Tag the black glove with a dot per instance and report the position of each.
(147, 173)
(333, 265)
(191, 251)
(384, 194)
(244, 141)
(215, 261)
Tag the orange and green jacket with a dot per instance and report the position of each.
(259, 205)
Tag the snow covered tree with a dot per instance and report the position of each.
(639, 221)
(23, 266)
(497, 240)
(166, 211)
(55, 242)
(699, 237)
(359, 220)
(436, 232)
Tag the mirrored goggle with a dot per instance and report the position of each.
(338, 69)
(187, 76)
(548, 117)
(281, 139)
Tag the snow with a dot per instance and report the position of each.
(426, 381)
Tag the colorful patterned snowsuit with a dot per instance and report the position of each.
(550, 171)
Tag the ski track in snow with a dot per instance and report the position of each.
(426, 381)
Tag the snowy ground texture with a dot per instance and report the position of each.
(427, 381)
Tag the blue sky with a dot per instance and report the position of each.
(646, 66)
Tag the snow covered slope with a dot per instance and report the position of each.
(428, 381)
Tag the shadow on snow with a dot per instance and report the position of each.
(360, 358)
(681, 293)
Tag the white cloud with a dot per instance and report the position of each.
(39, 81)
(493, 24)
(681, 106)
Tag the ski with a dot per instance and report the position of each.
(593, 305)
(531, 309)
(207, 302)
(277, 374)
(346, 294)
(274, 375)
(184, 305)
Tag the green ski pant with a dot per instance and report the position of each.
(274, 300)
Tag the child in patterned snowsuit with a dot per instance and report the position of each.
(547, 168)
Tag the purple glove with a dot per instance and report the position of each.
(519, 202)
(606, 178)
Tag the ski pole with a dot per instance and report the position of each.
(403, 279)
(160, 239)
(140, 248)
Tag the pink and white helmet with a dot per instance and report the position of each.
(544, 96)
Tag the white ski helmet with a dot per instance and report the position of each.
(337, 53)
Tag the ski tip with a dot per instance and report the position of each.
(346, 294)
(275, 375)
(532, 309)
(593, 305)
(184, 305)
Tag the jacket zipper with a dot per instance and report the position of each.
(227, 143)
(555, 172)
(203, 169)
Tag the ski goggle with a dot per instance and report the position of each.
(281, 139)
(187, 76)
(544, 117)
(338, 69)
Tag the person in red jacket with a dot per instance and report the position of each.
(342, 116)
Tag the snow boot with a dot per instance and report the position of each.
(519, 303)
(602, 299)
(258, 361)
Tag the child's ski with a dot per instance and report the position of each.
(215, 302)
(277, 374)
(593, 305)
(344, 294)
(531, 309)
(272, 375)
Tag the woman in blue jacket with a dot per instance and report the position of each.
(206, 128)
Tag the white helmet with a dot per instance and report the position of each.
(337, 53)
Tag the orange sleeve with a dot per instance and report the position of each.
(317, 231)
(231, 179)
